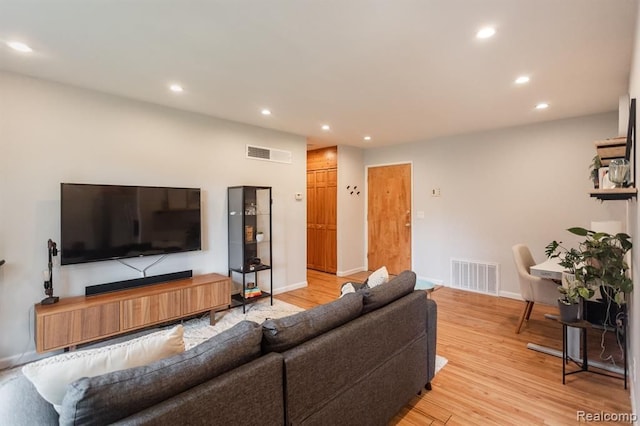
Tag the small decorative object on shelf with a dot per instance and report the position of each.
(252, 291)
(248, 233)
(48, 275)
(594, 171)
(250, 224)
(619, 172)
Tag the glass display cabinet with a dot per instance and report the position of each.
(249, 210)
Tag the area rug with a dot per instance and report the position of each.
(198, 330)
(440, 363)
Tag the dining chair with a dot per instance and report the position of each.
(532, 289)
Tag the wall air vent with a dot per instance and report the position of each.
(268, 154)
(481, 277)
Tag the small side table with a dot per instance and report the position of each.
(427, 286)
(584, 366)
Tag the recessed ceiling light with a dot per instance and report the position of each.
(20, 47)
(522, 79)
(542, 105)
(176, 88)
(486, 32)
(367, 138)
(326, 127)
(265, 112)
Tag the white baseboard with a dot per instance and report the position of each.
(510, 295)
(291, 287)
(350, 271)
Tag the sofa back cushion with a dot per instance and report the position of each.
(284, 333)
(110, 397)
(397, 287)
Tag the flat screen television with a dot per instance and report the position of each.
(107, 222)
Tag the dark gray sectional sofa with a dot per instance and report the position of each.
(355, 361)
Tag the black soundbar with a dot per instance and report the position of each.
(92, 290)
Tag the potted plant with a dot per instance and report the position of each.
(573, 292)
(597, 262)
(594, 167)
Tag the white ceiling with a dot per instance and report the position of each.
(398, 70)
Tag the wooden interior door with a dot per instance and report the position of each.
(312, 234)
(329, 214)
(322, 220)
(389, 217)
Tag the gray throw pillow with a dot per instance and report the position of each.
(114, 396)
(285, 333)
(384, 294)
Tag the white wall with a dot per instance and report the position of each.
(633, 218)
(351, 231)
(52, 133)
(523, 184)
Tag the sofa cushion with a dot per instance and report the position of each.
(284, 333)
(51, 375)
(382, 295)
(110, 397)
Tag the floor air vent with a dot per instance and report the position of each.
(481, 277)
(268, 154)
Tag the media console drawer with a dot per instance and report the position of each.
(84, 319)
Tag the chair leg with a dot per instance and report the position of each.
(525, 315)
(530, 309)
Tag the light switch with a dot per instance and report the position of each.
(420, 214)
(298, 196)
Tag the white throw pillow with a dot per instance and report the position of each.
(346, 289)
(51, 376)
(379, 276)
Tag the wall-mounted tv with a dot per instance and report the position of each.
(106, 222)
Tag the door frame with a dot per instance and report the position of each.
(366, 209)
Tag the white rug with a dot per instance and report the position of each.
(198, 330)
(440, 363)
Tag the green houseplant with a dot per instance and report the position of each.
(597, 262)
(572, 293)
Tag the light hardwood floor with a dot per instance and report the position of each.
(491, 376)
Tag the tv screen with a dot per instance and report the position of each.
(105, 222)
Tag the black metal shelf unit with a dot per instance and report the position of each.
(250, 247)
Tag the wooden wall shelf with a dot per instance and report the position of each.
(85, 319)
(614, 194)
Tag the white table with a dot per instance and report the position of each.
(550, 269)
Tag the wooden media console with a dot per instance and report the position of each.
(83, 319)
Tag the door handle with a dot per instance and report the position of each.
(407, 224)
